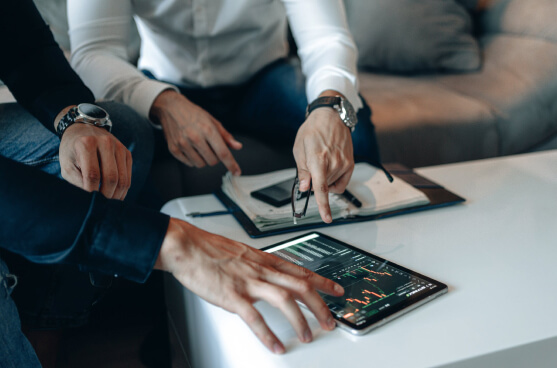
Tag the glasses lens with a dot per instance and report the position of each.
(299, 200)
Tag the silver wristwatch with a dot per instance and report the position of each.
(341, 105)
(85, 113)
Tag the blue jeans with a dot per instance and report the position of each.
(53, 296)
(15, 349)
(271, 107)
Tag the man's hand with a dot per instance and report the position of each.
(91, 157)
(324, 156)
(233, 276)
(193, 135)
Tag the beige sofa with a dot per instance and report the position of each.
(508, 106)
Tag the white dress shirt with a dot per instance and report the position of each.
(205, 43)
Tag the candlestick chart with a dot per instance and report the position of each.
(371, 285)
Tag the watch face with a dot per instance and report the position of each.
(92, 111)
(350, 118)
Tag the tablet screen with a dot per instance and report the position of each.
(374, 288)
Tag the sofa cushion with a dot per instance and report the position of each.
(531, 18)
(5, 95)
(411, 35)
(519, 81)
(419, 122)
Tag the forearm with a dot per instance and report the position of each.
(325, 47)
(99, 33)
(63, 224)
(33, 67)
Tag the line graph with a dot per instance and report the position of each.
(371, 285)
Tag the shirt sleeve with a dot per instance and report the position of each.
(64, 224)
(34, 67)
(325, 47)
(99, 33)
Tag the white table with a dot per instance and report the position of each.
(497, 252)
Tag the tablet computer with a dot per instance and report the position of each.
(376, 290)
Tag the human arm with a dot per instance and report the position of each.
(194, 136)
(47, 220)
(33, 66)
(323, 147)
(233, 276)
(99, 33)
(93, 159)
(42, 81)
(62, 224)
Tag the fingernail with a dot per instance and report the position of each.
(328, 218)
(308, 336)
(278, 348)
(339, 289)
(331, 322)
(303, 184)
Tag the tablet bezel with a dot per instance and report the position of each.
(386, 315)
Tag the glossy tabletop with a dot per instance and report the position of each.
(497, 252)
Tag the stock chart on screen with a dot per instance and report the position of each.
(371, 285)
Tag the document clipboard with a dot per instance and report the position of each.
(437, 194)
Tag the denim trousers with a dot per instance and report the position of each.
(15, 350)
(271, 107)
(54, 296)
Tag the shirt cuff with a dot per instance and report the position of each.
(336, 83)
(125, 240)
(145, 94)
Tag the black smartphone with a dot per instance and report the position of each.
(278, 194)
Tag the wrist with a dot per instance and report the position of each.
(172, 245)
(60, 115)
(84, 113)
(337, 103)
(331, 93)
(161, 103)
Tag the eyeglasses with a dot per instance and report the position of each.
(297, 210)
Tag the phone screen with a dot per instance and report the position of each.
(276, 195)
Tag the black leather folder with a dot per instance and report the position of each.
(437, 194)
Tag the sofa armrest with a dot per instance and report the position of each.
(5, 94)
(529, 18)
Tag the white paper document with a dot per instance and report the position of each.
(368, 184)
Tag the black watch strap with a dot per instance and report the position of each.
(326, 101)
(66, 121)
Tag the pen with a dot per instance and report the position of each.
(350, 197)
(207, 214)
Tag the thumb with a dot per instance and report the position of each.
(304, 176)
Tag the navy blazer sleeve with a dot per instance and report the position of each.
(64, 224)
(33, 66)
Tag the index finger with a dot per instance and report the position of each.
(222, 151)
(318, 173)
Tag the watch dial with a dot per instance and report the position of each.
(92, 111)
(350, 114)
